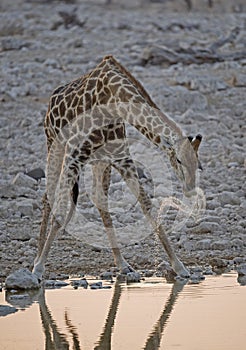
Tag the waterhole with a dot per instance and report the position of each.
(148, 315)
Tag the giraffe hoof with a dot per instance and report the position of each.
(127, 269)
(184, 273)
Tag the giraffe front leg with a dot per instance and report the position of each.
(67, 190)
(39, 265)
(101, 182)
(176, 264)
(124, 267)
(43, 228)
(128, 171)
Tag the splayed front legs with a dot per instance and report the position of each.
(126, 167)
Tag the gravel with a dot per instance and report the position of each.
(41, 49)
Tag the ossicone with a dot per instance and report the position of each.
(195, 141)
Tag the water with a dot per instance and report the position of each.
(149, 315)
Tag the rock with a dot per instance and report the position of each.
(208, 270)
(219, 263)
(9, 43)
(97, 285)
(107, 275)
(206, 85)
(55, 284)
(6, 310)
(36, 174)
(80, 283)
(242, 280)
(132, 277)
(22, 279)
(24, 180)
(21, 235)
(25, 207)
(148, 273)
(62, 276)
(236, 243)
(59, 284)
(196, 277)
(52, 276)
(220, 244)
(227, 197)
(241, 269)
(15, 191)
(238, 260)
(206, 227)
(203, 244)
(196, 269)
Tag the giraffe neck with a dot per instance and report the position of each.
(135, 106)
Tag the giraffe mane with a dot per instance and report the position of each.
(144, 93)
(133, 80)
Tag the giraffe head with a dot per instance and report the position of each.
(184, 160)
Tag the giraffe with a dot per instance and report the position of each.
(85, 123)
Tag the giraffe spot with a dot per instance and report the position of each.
(81, 91)
(79, 110)
(62, 108)
(59, 89)
(55, 111)
(70, 114)
(157, 139)
(150, 135)
(75, 101)
(99, 85)
(111, 135)
(52, 101)
(114, 79)
(63, 122)
(91, 84)
(57, 123)
(102, 98)
(107, 91)
(75, 153)
(69, 90)
(120, 132)
(95, 73)
(96, 136)
(59, 98)
(51, 118)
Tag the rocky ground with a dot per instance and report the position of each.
(193, 64)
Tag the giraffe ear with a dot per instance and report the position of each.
(196, 142)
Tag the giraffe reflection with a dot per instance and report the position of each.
(154, 339)
(56, 339)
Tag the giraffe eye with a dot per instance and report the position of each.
(178, 161)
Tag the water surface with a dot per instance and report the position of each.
(149, 315)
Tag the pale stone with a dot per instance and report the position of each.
(22, 279)
(24, 180)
